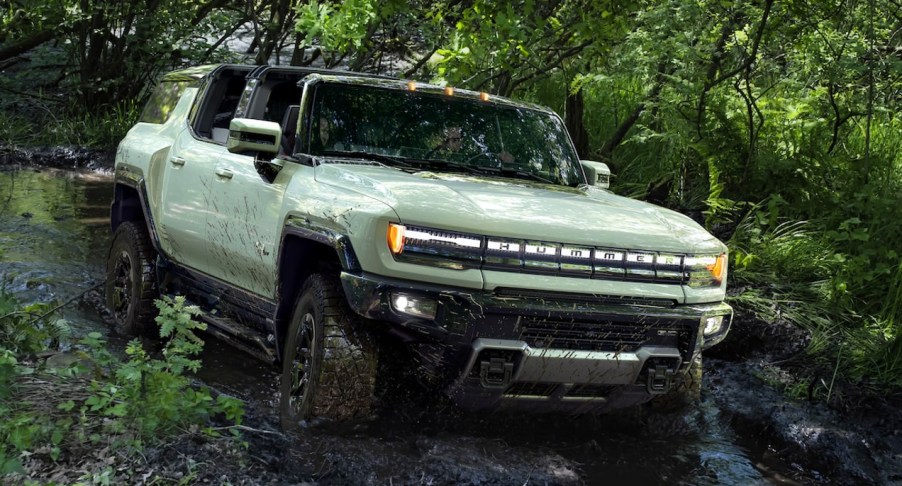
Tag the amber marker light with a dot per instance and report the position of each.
(449, 91)
(411, 85)
(718, 267)
(395, 238)
(484, 96)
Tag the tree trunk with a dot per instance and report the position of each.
(297, 54)
(575, 106)
(620, 134)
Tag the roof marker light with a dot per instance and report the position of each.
(449, 91)
(412, 85)
(484, 96)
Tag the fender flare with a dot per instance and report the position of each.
(132, 178)
(292, 269)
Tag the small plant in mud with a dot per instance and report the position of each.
(100, 402)
(153, 397)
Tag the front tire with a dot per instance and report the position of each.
(329, 361)
(130, 280)
(686, 391)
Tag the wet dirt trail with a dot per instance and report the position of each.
(54, 232)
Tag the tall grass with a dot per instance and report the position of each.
(792, 272)
(38, 125)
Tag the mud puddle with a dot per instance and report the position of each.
(54, 232)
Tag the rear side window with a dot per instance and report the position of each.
(163, 101)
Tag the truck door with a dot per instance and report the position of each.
(190, 171)
(243, 235)
(243, 232)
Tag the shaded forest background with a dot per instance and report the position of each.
(775, 123)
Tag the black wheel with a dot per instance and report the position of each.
(130, 280)
(686, 391)
(329, 361)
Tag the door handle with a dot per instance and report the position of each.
(177, 161)
(223, 173)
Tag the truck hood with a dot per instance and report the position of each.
(520, 209)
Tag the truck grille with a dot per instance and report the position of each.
(607, 336)
(451, 249)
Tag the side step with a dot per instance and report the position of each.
(242, 337)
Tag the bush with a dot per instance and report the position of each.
(102, 401)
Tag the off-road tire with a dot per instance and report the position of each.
(130, 279)
(685, 391)
(329, 362)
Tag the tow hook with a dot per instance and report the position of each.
(659, 379)
(495, 373)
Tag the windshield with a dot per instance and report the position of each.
(441, 133)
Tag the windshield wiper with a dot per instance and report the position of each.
(523, 174)
(476, 169)
(368, 156)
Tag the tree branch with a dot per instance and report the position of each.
(13, 49)
(754, 54)
(416, 67)
(551, 65)
(716, 60)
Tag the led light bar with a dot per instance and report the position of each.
(456, 250)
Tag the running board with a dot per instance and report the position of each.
(242, 337)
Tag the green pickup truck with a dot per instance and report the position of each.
(315, 216)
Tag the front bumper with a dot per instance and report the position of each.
(562, 351)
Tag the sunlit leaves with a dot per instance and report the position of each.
(482, 44)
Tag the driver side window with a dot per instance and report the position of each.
(220, 102)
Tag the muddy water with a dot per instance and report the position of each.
(54, 232)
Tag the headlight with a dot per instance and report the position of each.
(706, 271)
(714, 328)
(438, 247)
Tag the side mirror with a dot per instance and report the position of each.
(249, 135)
(598, 173)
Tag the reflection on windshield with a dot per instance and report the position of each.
(442, 133)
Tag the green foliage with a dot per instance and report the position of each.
(338, 28)
(791, 272)
(29, 328)
(153, 397)
(178, 327)
(118, 48)
(14, 130)
(103, 128)
(101, 400)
